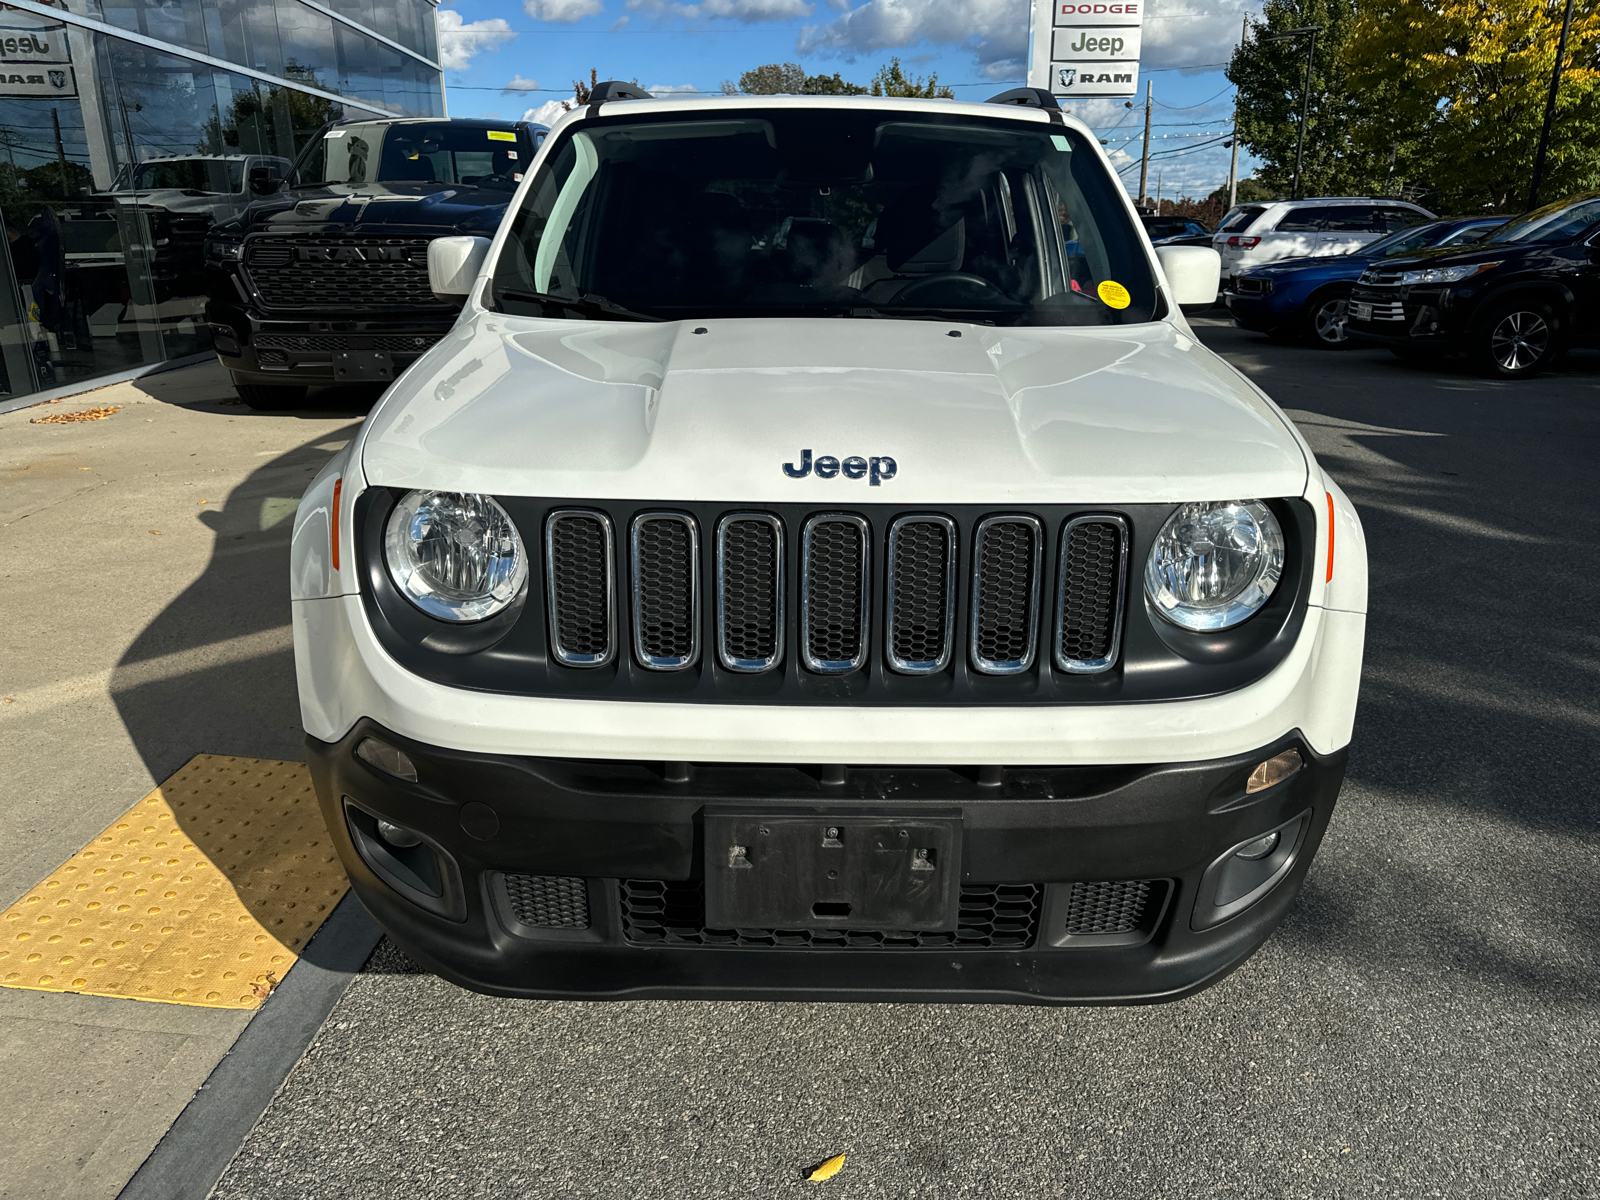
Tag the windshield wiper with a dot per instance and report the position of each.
(589, 303)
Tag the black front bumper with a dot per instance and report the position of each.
(320, 349)
(1420, 318)
(587, 839)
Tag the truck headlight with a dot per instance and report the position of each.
(1445, 274)
(219, 250)
(1214, 564)
(455, 555)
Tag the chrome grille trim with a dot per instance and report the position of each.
(561, 608)
(727, 606)
(811, 601)
(893, 596)
(1119, 588)
(987, 595)
(642, 620)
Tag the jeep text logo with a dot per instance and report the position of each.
(876, 469)
(350, 253)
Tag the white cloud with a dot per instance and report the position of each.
(519, 84)
(841, 5)
(1178, 34)
(748, 11)
(546, 114)
(460, 40)
(666, 91)
(561, 10)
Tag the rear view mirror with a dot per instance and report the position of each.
(264, 181)
(1193, 272)
(453, 267)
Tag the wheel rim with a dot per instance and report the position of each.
(1330, 321)
(1519, 340)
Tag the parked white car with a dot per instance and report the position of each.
(821, 561)
(1251, 234)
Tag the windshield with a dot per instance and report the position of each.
(441, 153)
(186, 174)
(826, 212)
(1553, 223)
(1238, 218)
(1414, 238)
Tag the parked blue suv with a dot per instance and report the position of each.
(1308, 296)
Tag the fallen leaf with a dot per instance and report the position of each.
(263, 990)
(157, 532)
(87, 414)
(205, 502)
(826, 1170)
(9, 700)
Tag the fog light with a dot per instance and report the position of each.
(402, 838)
(1275, 770)
(388, 760)
(1259, 848)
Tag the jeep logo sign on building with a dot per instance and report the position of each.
(1086, 47)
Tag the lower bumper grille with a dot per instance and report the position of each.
(334, 343)
(549, 901)
(993, 917)
(1107, 906)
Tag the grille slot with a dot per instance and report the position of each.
(361, 273)
(1005, 594)
(578, 565)
(835, 557)
(666, 590)
(992, 917)
(391, 343)
(920, 594)
(749, 591)
(1112, 906)
(549, 901)
(1090, 588)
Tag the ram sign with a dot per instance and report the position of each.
(1087, 48)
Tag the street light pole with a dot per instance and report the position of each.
(1549, 112)
(1233, 166)
(1144, 158)
(1288, 35)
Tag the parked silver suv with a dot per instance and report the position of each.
(1252, 234)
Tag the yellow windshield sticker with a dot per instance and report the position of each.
(501, 135)
(1113, 294)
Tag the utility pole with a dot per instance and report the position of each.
(1549, 112)
(1159, 176)
(1233, 167)
(1289, 35)
(1144, 159)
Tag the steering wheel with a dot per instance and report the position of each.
(917, 286)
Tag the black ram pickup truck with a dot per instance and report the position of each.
(324, 279)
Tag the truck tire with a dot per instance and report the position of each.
(1322, 321)
(1516, 338)
(271, 397)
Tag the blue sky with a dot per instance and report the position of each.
(508, 57)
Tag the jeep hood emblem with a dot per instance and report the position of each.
(875, 469)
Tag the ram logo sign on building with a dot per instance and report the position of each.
(1086, 47)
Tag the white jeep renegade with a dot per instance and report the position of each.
(821, 562)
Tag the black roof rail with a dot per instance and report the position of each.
(615, 89)
(1027, 96)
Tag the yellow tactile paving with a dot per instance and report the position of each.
(202, 893)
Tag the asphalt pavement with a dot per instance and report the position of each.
(1424, 1024)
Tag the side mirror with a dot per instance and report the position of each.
(1193, 272)
(264, 181)
(454, 264)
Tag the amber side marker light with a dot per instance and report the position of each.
(333, 525)
(1329, 495)
(1274, 771)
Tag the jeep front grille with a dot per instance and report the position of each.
(582, 598)
(750, 591)
(360, 274)
(835, 593)
(863, 592)
(1005, 594)
(549, 901)
(666, 591)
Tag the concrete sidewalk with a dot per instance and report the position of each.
(143, 590)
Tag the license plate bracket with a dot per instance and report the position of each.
(831, 872)
(363, 366)
(1361, 312)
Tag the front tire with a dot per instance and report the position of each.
(271, 397)
(1516, 338)
(1324, 322)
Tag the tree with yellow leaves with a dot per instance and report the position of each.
(1465, 84)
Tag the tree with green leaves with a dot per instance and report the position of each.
(790, 79)
(1271, 78)
(1465, 85)
(892, 81)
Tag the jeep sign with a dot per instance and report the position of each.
(1086, 47)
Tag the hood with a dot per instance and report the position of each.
(728, 410)
(448, 208)
(1450, 256)
(1289, 266)
(174, 199)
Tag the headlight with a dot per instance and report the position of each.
(224, 251)
(1215, 564)
(454, 555)
(1445, 274)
